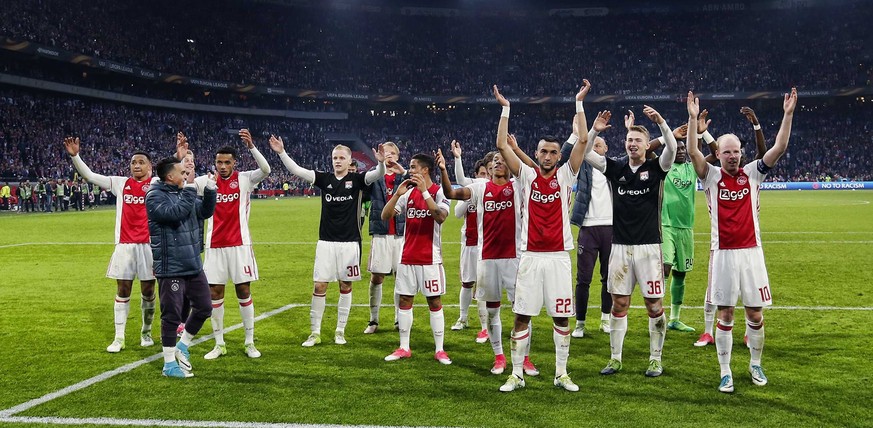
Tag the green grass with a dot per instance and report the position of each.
(56, 320)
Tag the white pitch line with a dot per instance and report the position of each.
(123, 369)
(168, 423)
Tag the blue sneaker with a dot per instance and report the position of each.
(727, 384)
(183, 356)
(172, 369)
(758, 377)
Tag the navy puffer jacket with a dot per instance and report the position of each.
(175, 216)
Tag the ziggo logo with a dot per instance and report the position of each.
(497, 206)
(536, 196)
(414, 213)
(136, 200)
(732, 195)
(226, 197)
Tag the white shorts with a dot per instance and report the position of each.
(430, 280)
(493, 277)
(636, 264)
(544, 279)
(337, 261)
(738, 273)
(469, 258)
(235, 264)
(131, 261)
(385, 251)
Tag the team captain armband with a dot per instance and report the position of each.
(763, 168)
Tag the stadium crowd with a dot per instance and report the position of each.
(531, 55)
(820, 148)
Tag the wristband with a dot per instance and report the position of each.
(708, 137)
(426, 195)
(504, 112)
(579, 107)
(573, 139)
(756, 127)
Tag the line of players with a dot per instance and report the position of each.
(521, 247)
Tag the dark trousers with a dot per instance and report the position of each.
(592, 241)
(28, 205)
(173, 292)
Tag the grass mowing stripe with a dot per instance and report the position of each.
(124, 369)
(165, 423)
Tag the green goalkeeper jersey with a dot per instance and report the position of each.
(679, 188)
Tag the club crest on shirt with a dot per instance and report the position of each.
(553, 184)
(507, 191)
(349, 184)
(234, 184)
(145, 188)
(741, 180)
(644, 175)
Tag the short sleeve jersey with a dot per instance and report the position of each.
(545, 219)
(679, 188)
(340, 206)
(636, 201)
(422, 243)
(734, 204)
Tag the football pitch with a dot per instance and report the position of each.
(56, 319)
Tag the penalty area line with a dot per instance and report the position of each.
(52, 420)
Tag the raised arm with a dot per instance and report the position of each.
(509, 156)
(669, 154)
(577, 155)
(371, 176)
(760, 143)
(680, 133)
(72, 146)
(525, 159)
(461, 193)
(388, 209)
(263, 167)
(278, 146)
(701, 167)
(781, 144)
(601, 123)
(462, 179)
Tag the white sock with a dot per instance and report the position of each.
(186, 338)
(404, 320)
(708, 317)
(494, 327)
(724, 341)
(122, 308)
(343, 308)
(518, 343)
(466, 298)
(316, 312)
(148, 313)
(657, 331)
(217, 321)
(375, 301)
(617, 330)
(482, 309)
(169, 354)
(438, 327)
(756, 341)
(561, 337)
(396, 308)
(247, 313)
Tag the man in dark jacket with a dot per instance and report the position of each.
(175, 213)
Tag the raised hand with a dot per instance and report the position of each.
(500, 98)
(703, 122)
(629, 119)
(750, 115)
(681, 132)
(456, 149)
(653, 115)
(440, 160)
(72, 146)
(277, 144)
(583, 91)
(181, 145)
(246, 137)
(693, 105)
(379, 153)
(790, 101)
(513, 143)
(601, 123)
